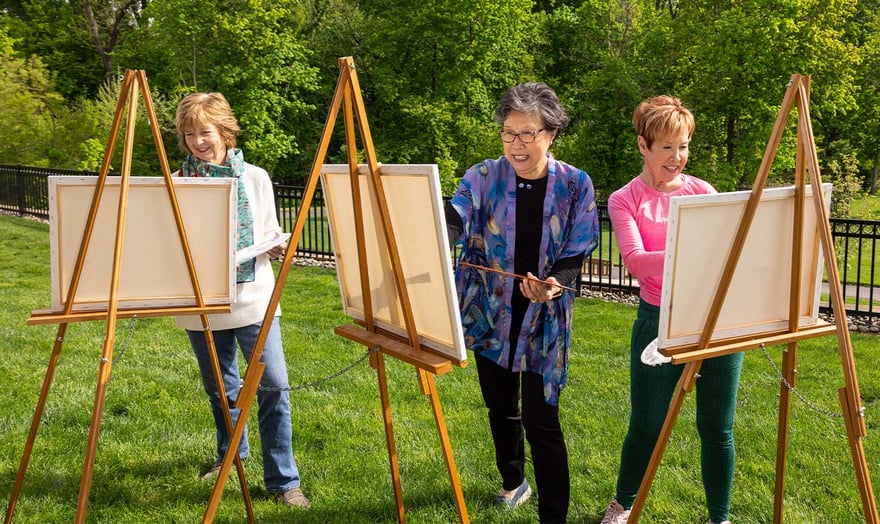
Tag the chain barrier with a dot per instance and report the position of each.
(326, 379)
(797, 393)
(371, 350)
(131, 324)
(316, 383)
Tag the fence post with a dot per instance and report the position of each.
(19, 182)
(277, 199)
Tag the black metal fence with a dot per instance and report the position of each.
(23, 191)
(315, 239)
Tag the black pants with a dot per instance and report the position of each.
(501, 394)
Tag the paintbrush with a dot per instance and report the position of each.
(514, 275)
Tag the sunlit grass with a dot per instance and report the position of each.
(157, 432)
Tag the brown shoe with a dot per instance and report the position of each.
(293, 497)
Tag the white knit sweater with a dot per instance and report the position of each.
(251, 298)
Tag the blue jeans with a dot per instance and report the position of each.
(279, 467)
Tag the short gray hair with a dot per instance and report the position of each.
(533, 98)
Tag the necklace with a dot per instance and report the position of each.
(528, 184)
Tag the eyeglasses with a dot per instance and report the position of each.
(526, 137)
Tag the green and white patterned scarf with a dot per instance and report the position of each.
(232, 168)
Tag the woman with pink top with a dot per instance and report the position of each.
(639, 212)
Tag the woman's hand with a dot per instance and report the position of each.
(276, 252)
(540, 291)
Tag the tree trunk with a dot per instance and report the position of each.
(873, 190)
(96, 38)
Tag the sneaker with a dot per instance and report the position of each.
(520, 495)
(211, 472)
(293, 497)
(615, 513)
(722, 522)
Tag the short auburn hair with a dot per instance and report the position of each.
(198, 109)
(662, 116)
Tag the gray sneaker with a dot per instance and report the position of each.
(293, 497)
(211, 472)
(520, 495)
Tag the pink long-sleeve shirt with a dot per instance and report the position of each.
(639, 214)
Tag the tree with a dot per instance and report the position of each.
(431, 74)
(431, 85)
(592, 55)
(251, 52)
(733, 64)
(107, 21)
(58, 32)
(26, 96)
(864, 123)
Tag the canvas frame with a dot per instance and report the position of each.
(700, 235)
(415, 209)
(153, 271)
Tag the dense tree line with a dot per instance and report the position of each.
(431, 72)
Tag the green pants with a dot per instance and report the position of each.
(651, 390)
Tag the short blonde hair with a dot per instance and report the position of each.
(662, 116)
(198, 109)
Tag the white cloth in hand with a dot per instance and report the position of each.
(652, 356)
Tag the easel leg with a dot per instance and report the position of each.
(95, 426)
(378, 362)
(685, 384)
(35, 422)
(869, 504)
(447, 447)
(245, 400)
(227, 419)
(789, 375)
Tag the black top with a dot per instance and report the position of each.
(529, 222)
(566, 270)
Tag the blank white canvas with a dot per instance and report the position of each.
(415, 209)
(153, 271)
(700, 236)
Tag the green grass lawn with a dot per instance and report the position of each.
(157, 431)
(865, 206)
(860, 254)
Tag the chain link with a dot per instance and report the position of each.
(326, 379)
(797, 393)
(314, 384)
(131, 324)
(371, 350)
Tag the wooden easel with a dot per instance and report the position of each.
(798, 93)
(134, 81)
(348, 96)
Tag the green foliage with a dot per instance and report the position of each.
(589, 56)
(843, 174)
(431, 74)
(84, 132)
(249, 51)
(27, 102)
(92, 154)
(864, 128)
(431, 85)
(57, 32)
